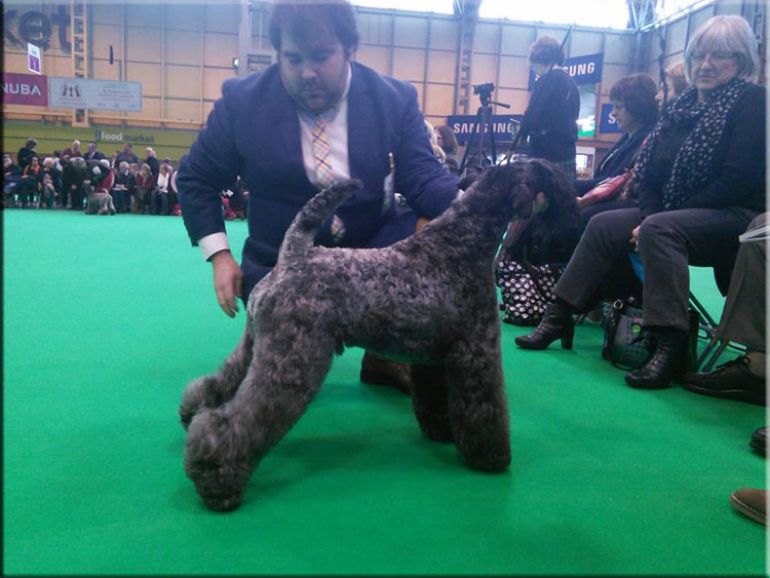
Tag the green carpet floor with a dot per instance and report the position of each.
(106, 318)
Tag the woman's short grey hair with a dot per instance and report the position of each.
(726, 33)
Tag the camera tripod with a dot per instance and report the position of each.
(475, 150)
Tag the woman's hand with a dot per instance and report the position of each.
(635, 238)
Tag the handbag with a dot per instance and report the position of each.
(628, 345)
(526, 289)
(608, 189)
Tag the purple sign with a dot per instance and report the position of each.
(28, 89)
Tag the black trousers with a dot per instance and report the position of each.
(668, 243)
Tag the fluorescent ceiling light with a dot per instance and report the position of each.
(594, 13)
(438, 6)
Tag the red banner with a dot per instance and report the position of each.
(29, 89)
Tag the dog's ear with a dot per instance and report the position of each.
(550, 177)
(559, 191)
(523, 200)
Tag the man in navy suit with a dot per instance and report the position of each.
(265, 129)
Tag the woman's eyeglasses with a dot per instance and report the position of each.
(717, 56)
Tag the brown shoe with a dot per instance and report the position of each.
(379, 371)
(751, 503)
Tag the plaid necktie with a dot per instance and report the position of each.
(323, 169)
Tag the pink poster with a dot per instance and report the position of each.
(29, 89)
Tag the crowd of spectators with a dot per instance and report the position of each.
(77, 180)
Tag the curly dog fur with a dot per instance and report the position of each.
(429, 300)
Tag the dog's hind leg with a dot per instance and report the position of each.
(430, 402)
(225, 444)
(213, 390)
(478, 409)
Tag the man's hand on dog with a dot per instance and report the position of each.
(227, 281)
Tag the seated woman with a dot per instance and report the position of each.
(159, 199)
(635, 109)
(700, 180)
(445, 137)
(674, 84)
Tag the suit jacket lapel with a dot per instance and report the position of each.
(366, 137)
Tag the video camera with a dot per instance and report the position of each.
(484, 90)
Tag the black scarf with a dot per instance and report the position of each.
(694, 165)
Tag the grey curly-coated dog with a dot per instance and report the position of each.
(429, 300)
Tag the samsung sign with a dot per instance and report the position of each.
(608, 124)
(583, 69)
(465, 125)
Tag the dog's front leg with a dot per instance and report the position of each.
(213, 390)
(224, 445)
(478, 410)
(430, 402)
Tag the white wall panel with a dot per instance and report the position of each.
(376, 57)
(185, 16)
(408, 31)
(185, 110)
(222, 16)
(586, 42)
(143, 15)
(104, 36)
(143, 44)
(514, 71)
(147, 74)
(220, 49)
(444, 34)
(180, 79)
(207, 108)
(611, 73)
(439, 99)
(103, 70)
(441, 66)
(486, 37)
(183, 47)
(618, 47)
(676, 35)
(111, 14)
(409, 64)
(516, 99)
(517, 39)
(212, 82)
(484, 68)
(150, 109)
(374, 28)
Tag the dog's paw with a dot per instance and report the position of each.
(215, 461)
(437, 431)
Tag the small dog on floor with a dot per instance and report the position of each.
(429, 300)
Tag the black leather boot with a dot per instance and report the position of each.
(557, 323)
(668, 361)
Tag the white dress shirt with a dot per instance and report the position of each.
(337, 134)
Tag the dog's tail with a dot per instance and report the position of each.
(301, 233)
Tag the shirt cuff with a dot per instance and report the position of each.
(213, 243)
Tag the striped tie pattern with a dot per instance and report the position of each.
(323, 169)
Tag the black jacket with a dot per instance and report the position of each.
(551, 117)
(739, 159)
(619, 158)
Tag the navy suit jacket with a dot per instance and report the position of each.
(253, 131)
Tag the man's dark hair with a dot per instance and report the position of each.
(637, 93)
(546, 50)
(303, 17)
